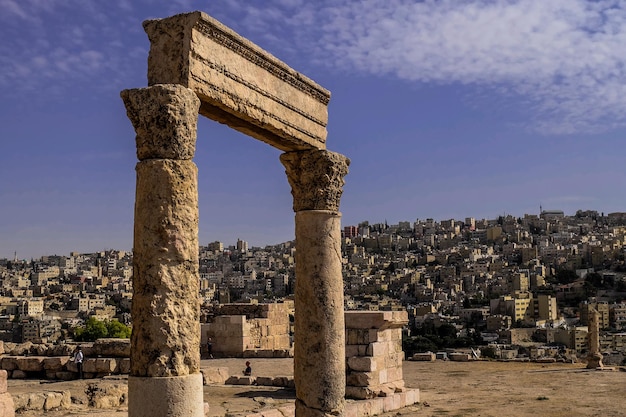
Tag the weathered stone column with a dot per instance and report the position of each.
(316, 179)
(165, 344)
(594, 357)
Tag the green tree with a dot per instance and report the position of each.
(95, 329)
(117, 329)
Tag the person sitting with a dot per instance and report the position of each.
(248, 370)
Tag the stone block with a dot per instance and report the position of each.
(36, 401)
(360, 393)
(55, 363)
(362, 364)
(30, 363)
(264, 380)
(377, 349)
(394, 374)
(65, 375)
(18, 374)
(112, 348)
(426, 356)
(364, 408)
(4, 376)
(240, 380)
(352, 337)
(282, 381)
(383, 376)
(392, 403)
(352, 350)
(378, 406)
(20, 401)
(57, 400)
(106, 395)
(123, 366)
(351, 410)
(71, 366)
(362, 379)
(7, 406)
(100, 365)
(459, 357)
(412, 396)
(393, 360)
(214, 375)
(375, 319)
(9, 363)
(238, 83)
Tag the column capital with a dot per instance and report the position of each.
(316, 177)
(165, 118)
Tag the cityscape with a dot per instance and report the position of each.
(511, 285)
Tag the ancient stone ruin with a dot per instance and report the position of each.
(594, 357)
(196, 65)
(249, 330)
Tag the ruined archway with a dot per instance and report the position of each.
(197, 66)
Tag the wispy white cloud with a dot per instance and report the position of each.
(564, 57)
(55, 46)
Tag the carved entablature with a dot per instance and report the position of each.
(316, 178)
(238, 83)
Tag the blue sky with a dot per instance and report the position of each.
(447, 109)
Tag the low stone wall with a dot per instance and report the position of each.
(107, 348)
(61, 368)
(42, 401)
(102, 357)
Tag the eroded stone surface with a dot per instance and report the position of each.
(165, 119)
(316, 178)
(319, 352)
(166, 307)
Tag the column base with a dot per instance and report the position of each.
(175, 396)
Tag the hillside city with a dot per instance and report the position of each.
(514, 283)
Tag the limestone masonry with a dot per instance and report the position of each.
(238, 83)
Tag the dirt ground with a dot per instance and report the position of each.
(453, 389)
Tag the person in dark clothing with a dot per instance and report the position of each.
(209, 347)
(248, 370)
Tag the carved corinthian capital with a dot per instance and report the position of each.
(316, 178)
(165, 118)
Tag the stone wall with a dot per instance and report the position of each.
(249, 330)
(103, 357)
(374, 353)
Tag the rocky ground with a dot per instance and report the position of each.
(486, 389)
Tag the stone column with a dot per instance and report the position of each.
(594, 357)
(165, 379)
(316, 179)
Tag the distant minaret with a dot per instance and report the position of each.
(15, 257)
(540, 209)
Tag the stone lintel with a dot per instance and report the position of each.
(238, 83)
(376, 319)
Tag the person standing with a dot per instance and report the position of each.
(209, 347)
(248, 370)
(78, 360)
